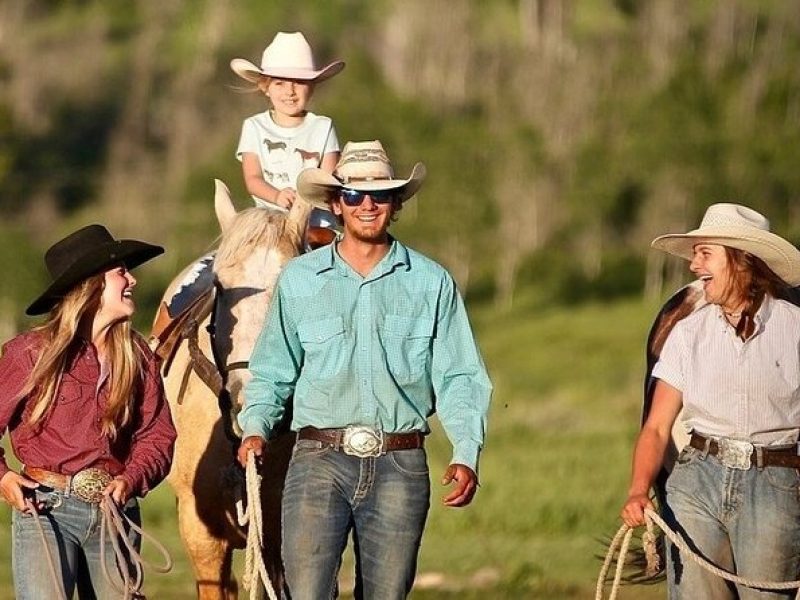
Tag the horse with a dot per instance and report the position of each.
(204, 332)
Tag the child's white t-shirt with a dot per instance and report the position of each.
(285, 151)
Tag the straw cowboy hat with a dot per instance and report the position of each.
(84, 253)
(288, 57)
(739, 227)
(364, 167)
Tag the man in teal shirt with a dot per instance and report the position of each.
(368, 338)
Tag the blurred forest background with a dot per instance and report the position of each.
(561, 136)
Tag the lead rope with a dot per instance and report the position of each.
(251, 517)
(623, 537)
(51, 565)
(113, 524)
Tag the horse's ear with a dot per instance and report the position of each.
(223, 205)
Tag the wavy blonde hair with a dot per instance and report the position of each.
(59, 333)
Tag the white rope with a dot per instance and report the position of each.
(254, 567)
(624, 533)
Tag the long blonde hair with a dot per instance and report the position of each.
(59, 333)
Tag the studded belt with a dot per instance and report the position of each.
(363, 442)
(86, 485)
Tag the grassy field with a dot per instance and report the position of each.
(554, 471)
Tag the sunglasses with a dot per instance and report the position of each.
(355, 197)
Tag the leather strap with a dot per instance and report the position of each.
(778, 457)
(391, 441)
(57, 481)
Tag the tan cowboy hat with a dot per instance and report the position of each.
(83, 253)
(364, 167)
(737, 226)
(288, 57)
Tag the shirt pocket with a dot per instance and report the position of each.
(323, 345)
(71, 390)
(407, 346)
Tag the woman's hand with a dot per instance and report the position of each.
(11, 487)
(119, 490)
(633, 511)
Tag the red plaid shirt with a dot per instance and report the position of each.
(70, 438)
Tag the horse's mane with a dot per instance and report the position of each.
(250, 228)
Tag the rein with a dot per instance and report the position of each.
(622, 540)
(114, 526)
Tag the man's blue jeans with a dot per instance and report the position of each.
(385, 502)
(744, 521)
(72, 530)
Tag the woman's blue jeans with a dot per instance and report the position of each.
(744, 521)
(384, 501)
(72, 530)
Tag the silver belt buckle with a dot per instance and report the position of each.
(363, 442)
(88, 485)
(735, 454)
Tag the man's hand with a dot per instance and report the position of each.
(466, 485)
(255, 443)
(119, 490)
(11, 487)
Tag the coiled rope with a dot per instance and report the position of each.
(113, 525)
(622, 540)
(254, 567)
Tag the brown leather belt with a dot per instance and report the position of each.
(86, 485)
(769, 457)
(363, 441)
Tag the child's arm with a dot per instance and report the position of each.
(258, 187)
(329, 161)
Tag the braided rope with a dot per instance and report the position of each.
(254, 567)
(624, 533)
(51, 566)
(113, 524)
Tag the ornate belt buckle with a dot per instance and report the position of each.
(735, 454)
(362, 442)
(88, 485)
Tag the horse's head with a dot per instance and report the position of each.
(255, 245)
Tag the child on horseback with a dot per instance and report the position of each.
(277, 144)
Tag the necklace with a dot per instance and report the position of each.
(732, 315)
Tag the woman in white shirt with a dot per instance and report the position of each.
(733, 366)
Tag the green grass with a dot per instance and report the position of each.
(553, 474)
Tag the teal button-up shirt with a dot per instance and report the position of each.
(386, 351)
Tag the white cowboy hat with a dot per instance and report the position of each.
(288, 57)
(737, 226)
(364, 167)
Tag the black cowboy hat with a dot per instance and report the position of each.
(86, 252)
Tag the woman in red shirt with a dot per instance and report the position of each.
(82, 398)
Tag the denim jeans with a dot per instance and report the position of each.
(746, 522)
(72, 531)
(383, 500)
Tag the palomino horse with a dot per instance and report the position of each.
(205, 331)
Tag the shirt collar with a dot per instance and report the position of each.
(762, 314)
(396, 257)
